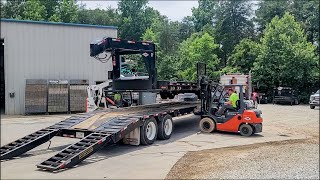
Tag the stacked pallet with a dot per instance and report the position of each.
(78, 95)
(58, 96)
(36, 96)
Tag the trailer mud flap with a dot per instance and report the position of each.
(133, 138)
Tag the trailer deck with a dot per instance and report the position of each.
(96, 130)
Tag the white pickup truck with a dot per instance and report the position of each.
(314, 100)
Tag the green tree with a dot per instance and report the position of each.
(197, 48)
(186, 28)
(66, 12)
(165, 35)
(55, 18)
(233, 24)
(150, 14)
(34, 10)
(244, 55)
(167, 68)
(98, 16)
(204, 14)
(149, 35)
(267, 10)
(286, 58)
(307, 12)
(12, 9)
(132, 21)
(50, 6)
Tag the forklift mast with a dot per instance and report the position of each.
(117, 47)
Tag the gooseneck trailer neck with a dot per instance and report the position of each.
(116, 48)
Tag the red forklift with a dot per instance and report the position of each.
(243, 119)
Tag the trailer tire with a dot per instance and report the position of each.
(171, 96)
(165, 127)
(148, 131)
(246, 130)
(207, 125)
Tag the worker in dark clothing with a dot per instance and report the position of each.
(231, 104)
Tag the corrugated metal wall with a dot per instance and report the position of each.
(48, 51)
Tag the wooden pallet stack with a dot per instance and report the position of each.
(58, 100)
(36, 96)
(78, 95)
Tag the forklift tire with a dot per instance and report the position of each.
(246, 130)
(165, 127)
(148, 131)
(163, 96)
(312, 107)
(207, 125)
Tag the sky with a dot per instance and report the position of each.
(174, 10)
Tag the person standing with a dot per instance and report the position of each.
(254, 98)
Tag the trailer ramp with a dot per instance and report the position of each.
(27, 143)
(35, 139)
(110, 132)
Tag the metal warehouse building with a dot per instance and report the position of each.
(45, 50)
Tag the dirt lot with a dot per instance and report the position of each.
(287, 147)
(289, 159)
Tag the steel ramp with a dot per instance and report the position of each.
(77, 152)
(35, 139)
(27, 143)
(109, 132)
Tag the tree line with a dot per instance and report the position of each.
(276, 40)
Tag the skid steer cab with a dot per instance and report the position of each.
(241, 119)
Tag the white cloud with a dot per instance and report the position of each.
(174, 10)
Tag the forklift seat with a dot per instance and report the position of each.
(235, 109)
(238, 104)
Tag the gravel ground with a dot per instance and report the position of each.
(291, 159)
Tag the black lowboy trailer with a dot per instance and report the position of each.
(135, 125)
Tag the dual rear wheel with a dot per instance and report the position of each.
(153, 129)
(167, 95)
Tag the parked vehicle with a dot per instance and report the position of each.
(263, 98)
(285, 95)
(314, 99)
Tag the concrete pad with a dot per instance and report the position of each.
(140, 162)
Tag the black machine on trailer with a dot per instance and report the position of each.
(114, 49)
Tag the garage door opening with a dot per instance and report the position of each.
(2, 84)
